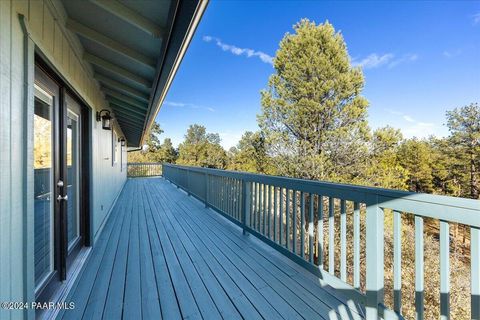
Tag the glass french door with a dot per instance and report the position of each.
(46, 104)
(57, 161)
(73, 143)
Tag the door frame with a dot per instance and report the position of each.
(62, 260)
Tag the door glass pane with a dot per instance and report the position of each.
(43, 184)
(73, 209)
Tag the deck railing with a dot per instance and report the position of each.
(141, 169)
(289, 214)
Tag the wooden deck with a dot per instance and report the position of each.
(163, 255)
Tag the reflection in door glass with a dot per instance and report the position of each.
(43, 182)
(73, 209)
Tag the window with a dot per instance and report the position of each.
(114, 147)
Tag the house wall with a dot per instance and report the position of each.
(45, 34)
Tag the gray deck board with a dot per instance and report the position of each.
(162, 255)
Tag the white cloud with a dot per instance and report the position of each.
(240, 51)
(413, 128)
(404, 59)
(451, 54)
(476, 18)
(187, 105)
(375, 60)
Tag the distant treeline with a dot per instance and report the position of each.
(448, 166)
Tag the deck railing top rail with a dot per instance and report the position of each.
(453, 209)
(304, 219)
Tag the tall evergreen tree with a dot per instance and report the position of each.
(202, 149)
(313, 115)
(167, 152)
(152, 143)
(384, 169)
(250, 154)
(464, 126)
(416, 157)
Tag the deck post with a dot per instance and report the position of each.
(375, 258)
(475, 270)
(246, 204)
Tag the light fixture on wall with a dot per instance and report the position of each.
(106, 119)
(122, 141)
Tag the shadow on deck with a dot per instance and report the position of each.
(163, 255)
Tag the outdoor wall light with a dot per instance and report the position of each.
(122, 141)
(106, 119)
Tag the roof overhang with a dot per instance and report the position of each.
(134, 48)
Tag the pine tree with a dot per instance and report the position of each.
(313, 115)
(416, 157)
(250, 154)
(464, 125)
(167, 152)
(201, 149)
(384, 169)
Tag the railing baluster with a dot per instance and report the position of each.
(475, 270)
(226, 182)
(356, 245)
(207, 188)
(444, 271)
(310, 228)
(275, 212)
(269, 210)
(220, 192)
(232, 198)
(320, 232)
(225, 195)
(254, 212)
(239, 198)
(397, 262)
(331, 235)
(280, 217)
(375, 257)
(287, 216)
(302, 224)
(264, 208)
(217, 193)
(419, 268)
(252, 206)
(229, 201)
(259, 208)
(294, 222)
(343, 241)
(246, 192)
(238, 188)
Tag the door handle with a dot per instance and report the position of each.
(64, 198)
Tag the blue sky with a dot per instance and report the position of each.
(419, 60)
